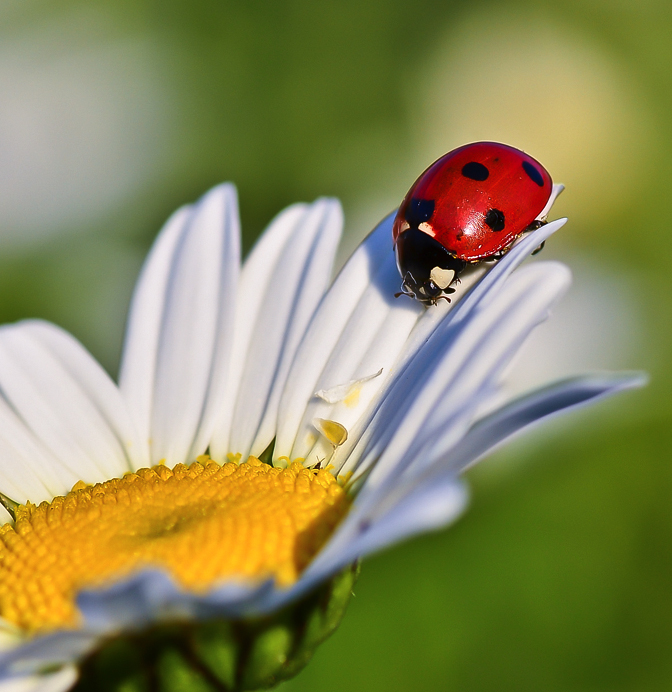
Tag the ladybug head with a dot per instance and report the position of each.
(428, 270)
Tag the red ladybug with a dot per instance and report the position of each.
(467, 207)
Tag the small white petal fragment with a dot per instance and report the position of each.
(442, 277)
(348, 392)
(336, 433)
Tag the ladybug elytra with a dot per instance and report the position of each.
(469, 206)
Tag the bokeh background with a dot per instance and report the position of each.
(114, 112)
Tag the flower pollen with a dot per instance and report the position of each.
(203, 523)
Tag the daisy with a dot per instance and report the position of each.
(201, 522)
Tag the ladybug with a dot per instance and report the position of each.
(468, 207)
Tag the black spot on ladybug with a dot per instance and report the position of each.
(534, 173)
(419, 211)
(475, 171)
(495, 219)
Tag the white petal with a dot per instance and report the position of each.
(131, 603)
(448, 421)
(152, 596)
(176, 356)
(423, 507)
(489, 287)
(143, 331)
(433, 500)
(96, 385)
(491, 431)
(372, 339)
(480, 346)
(39, 652)
(59, 681)
(555, 193)
(516, 416)
(359, 328)
(325, 331)
(11, 636)
(330, 353)
(315, 279)
(255, 278)
(477, 284)
(293, 285)
(218, 384)
(27, 470)
(65, 399)
(441, 386)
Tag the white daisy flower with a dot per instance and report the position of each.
(337, 421)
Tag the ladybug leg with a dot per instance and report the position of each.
(435, 300)
(535, 225)
(406, 289)
(444, 295)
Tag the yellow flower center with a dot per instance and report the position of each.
(203, 523)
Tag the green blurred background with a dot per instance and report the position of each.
(113, 113)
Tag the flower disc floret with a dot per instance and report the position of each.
(203, 523)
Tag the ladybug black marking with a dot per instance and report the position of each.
(495, 219)
(419, 211)
(533, 173)
(475, 171)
